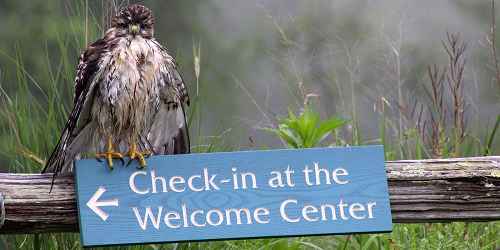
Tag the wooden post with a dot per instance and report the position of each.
(465, 189)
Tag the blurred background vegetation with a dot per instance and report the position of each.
(419, 77)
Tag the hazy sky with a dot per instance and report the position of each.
(256, 54)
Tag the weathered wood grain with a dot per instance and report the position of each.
(465, 189)
(30, 207)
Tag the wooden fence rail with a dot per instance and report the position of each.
(464, 189)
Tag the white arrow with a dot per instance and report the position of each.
(95, 205)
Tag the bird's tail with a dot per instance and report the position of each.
(68, 149)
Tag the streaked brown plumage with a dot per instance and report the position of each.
(127, 89)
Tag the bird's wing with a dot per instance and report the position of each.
(169, 131)
(61, 158)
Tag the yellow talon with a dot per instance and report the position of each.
(133, 153)
(110, 154)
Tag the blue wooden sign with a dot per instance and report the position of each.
(234, 195)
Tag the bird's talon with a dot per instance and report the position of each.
(134, 154)
(109, 155)
(128, 163)
(122, 160)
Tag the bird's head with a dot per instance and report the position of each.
(134, 20)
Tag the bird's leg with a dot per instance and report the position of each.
(133, 153)
(110, 153)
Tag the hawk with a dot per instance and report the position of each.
(129, 98)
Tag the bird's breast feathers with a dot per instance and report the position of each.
(129, 79)
(133, 65)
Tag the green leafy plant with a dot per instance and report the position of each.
(306, 130)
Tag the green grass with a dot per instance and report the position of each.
(456, 235)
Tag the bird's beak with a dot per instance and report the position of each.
(133, 29)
